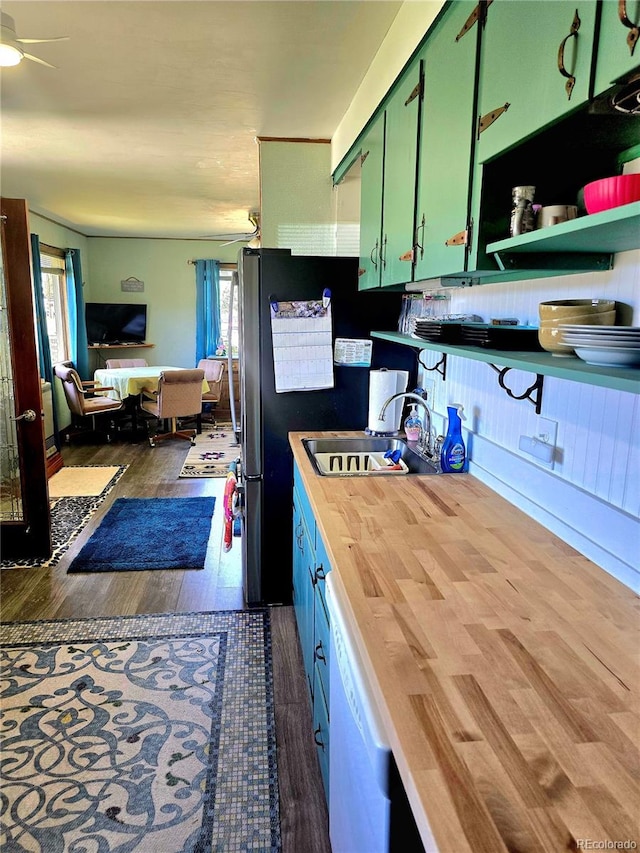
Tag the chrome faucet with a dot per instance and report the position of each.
(425, 445)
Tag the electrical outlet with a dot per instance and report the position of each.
(547, 431)
(429, 386)
(542, 445)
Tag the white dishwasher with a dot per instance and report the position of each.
(368, 808)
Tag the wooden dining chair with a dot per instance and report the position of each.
(88, 409)
(125, 362)
(179, 395)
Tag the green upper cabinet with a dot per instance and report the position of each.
(446, 140)
(388, 185)
(371, 205)
(618, 52)
(535, 68)
(399, 183)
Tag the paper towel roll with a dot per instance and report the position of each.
(383, 384)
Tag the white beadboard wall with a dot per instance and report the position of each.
(591, 496)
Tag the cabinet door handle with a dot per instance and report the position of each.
(320, 573)
(634, 30)
(420, 230)
(318, 652)
(573, 33)
(316, 735)
(373, 260)
(383, 252)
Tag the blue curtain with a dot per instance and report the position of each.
(42, 334)
(207, 308)
(75, 303)
(44, 351)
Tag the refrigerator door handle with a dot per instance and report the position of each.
(232, 398)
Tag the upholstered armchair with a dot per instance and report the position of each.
(89, 411)
(179, 395)
(125, 362)
(214, 374)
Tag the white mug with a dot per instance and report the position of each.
(554, 213)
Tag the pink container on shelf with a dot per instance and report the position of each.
(611, 192)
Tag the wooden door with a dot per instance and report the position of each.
(24, 501)
(519, 68)
(446, 145)
(399, 181)
(371, 205)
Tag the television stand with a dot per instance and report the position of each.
(100, 348)
(120, 346)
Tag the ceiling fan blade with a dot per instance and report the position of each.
(40, 61)
(41, 41)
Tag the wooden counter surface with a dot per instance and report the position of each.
(505, 664)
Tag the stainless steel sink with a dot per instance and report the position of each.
(348, 457)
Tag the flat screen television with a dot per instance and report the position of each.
(116, 323)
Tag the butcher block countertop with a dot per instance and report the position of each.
(505, 664)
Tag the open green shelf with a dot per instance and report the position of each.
(542, 363)
(616, 230)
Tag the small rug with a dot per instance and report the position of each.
(140, 734)
(140, 534)
(81, 480)
(69, 516)
(213, 451)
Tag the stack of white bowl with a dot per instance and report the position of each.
(562, 312)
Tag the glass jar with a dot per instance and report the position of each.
(522, 213)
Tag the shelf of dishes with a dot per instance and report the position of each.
(543, 363)
(609, 231)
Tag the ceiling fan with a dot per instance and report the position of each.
(252, 238)
(11, 52)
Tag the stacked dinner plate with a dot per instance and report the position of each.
(445, 329)
(606, 346)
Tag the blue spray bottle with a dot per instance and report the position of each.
(453, 457)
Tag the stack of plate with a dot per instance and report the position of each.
(431, 330)
(606, 346)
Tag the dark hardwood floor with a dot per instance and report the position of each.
(28, 594)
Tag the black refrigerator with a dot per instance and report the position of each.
(267, 416)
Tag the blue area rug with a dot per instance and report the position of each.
(141, 534)
(139, 734)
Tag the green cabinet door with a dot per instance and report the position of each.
(303, 594)
(399, 181)
(619, 33)
(521, 42)
(371, 205)
(446, 142)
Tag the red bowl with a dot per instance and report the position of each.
(611, 192)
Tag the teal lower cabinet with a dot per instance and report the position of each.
(310, 567)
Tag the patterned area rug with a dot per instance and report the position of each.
(69, 515)
(152, 734)
(214, 450)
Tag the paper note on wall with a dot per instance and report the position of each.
(302, 345)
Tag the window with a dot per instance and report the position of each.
(54, 289)
(225, 289)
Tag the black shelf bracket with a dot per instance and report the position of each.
(533, 393)
(440, 366)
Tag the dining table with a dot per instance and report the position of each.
(126, 382)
